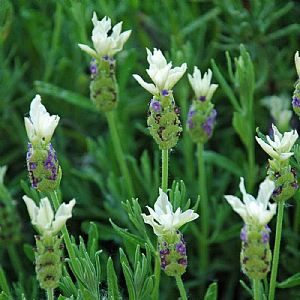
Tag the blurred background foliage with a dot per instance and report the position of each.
(39, 54)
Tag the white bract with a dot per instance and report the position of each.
(161, 73)
(297, 62)
(104, 44)
(280, 148)
(163, 220)
(202, 86)
(43, 217)
(255, 211)
(40, 125)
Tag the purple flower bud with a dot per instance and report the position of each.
(156, 105)
(165, 93)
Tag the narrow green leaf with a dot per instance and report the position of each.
(112, 281)
(222, 162)
(129, 281)
(212, 292)
(128, 236)
(68, 96)
(242, 128)
(290, 282)
(225, 86)
(124, 260)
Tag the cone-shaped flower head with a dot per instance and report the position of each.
(163, 220)
(171, 244)
(279, 169)
(42, 164)
(163, 115)
(201, 86)
(202, 115)
(161, 73)
(40, 125)
(257, 211)
(280, 147)
(43, 218)
(255, 255)
(104, 87)
(106, 45)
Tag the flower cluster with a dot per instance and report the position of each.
(279, 169)
(166, 224)
(103, 86)
(42, 163)
(163, 114)
(48, 249)
(256, 213)
(202, 115)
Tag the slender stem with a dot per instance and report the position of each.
(3, 284)
(256, 289)
(157, 270)
(15, 259)
(251, 162)
(119, 153)
(276, 250)
(181, 288)
(164, 174)
(64, 230)
(204, 214)
(50, 294)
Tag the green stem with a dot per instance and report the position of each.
(204, 214)
(50, 294)
(181, 288)
(276, 250)
(119, 153)
(15, 259)
(3, 284)
(64, 231)
(157, 270)
(165, 166)
(256, 289)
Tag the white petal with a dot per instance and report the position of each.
(150, 87)
(88, 50)
(265, 191)
(175, 75)
(31, 206)
(267, 148)
(45, 216)
(163, 205)
(63, 213)
(186, 217)
(237, 206)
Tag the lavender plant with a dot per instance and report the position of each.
(104, 149)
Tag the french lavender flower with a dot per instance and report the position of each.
(10, 225)
(48, 249)
(296, 96)
(163, 114)
(279, 169)
(202, 115)
(166, 224)
(42, 164)
(256, 213)
(279, 107)
(104, 87)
